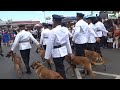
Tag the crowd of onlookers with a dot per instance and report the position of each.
(7, 35)
(113, 40)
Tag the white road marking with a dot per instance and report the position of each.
(107, 74)
(78, 73)
(118, 77)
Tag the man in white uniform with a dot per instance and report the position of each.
(92, 35)
(81, 35)
(99, 29)
(59, 45)
(44, 36)
(23, 40)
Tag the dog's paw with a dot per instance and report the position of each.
(93, 75)
(73, 75)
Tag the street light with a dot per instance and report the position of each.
(91, 13)
(48, 18)
(44, 15)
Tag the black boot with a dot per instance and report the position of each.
(82, 71)
(28, 71)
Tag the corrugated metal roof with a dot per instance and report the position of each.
(3, 23)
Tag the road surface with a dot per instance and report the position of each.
(112, 58)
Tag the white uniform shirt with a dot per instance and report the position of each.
(44, 36)
(24, 36)
(42, 29)
(92, 35)
(58, 36)
(70, 35)
(81, 32)
(100, 29)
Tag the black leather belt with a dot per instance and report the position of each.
(24, 41)
(99, 30)
(59, 46)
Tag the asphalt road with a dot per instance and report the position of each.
(111, 56)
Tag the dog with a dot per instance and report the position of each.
(80, 60)
(43, 72)
(17, 63)
(95, 58)
(41, 51)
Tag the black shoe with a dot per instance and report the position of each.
(82, 71)
(28, 72)
(2, 55)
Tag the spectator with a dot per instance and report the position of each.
(6, 38)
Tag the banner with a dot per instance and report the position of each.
(113, 16)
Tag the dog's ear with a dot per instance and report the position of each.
(38, 61)
(32, 66)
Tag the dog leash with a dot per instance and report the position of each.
(49, 65)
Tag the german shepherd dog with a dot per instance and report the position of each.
(95, 58)
(80, 60)
(41, 51)
(43, 72)
(17, 63)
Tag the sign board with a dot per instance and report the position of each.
(112, 16)
(103, 15)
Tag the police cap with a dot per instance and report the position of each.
(91, 18)
(80, 14)
(57, 17)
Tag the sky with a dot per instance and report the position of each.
(37, 15)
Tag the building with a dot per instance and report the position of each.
(16, 23)
(3, 23)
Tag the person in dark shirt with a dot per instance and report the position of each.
(1, 45)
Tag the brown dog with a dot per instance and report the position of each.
(17, 63)
(43, 72)
(42, 54)
(95, 58)
(80, 60)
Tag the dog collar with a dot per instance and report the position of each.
(37, 67)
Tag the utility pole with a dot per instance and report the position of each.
(91, 13)
(44, 16)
